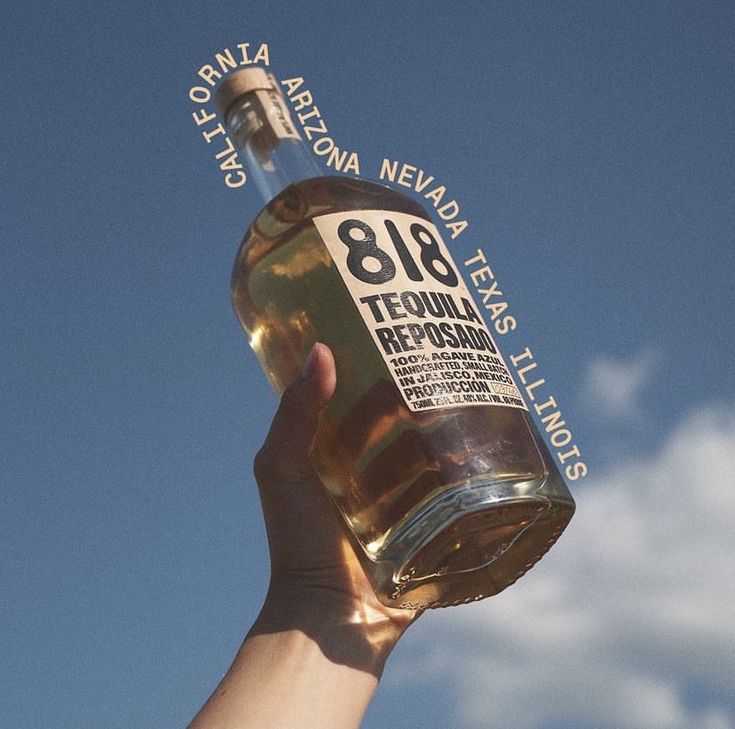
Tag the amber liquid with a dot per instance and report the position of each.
(445, 506)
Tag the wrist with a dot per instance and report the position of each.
(348, 630)
(303, 664)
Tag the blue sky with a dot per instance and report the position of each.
(591, 148)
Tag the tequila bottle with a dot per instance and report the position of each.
(427, 449)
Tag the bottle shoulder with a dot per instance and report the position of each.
(294, 208)
(307, 199)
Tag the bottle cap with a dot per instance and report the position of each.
(239, 83)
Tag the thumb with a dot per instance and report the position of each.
(294, 425)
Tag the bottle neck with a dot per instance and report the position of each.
(274, 153)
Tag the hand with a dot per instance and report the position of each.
(314, 570)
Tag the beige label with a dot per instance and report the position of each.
(418, 310)
(278, 116)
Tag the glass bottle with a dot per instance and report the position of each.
(427, 449)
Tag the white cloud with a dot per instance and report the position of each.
(612, 388)
(632, 608)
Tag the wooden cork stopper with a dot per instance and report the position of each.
(239, 83)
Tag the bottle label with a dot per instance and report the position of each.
(279, 119)
(418, 310)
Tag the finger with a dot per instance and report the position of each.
(295, 422)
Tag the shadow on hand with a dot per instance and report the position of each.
(318, 585)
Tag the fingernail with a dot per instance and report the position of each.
(310, 364)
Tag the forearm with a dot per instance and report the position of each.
(284, 681)
(304, 665)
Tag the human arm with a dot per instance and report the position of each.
(315, 654)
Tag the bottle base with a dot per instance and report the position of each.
(471, 542)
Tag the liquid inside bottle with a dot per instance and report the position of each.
(446, 505)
